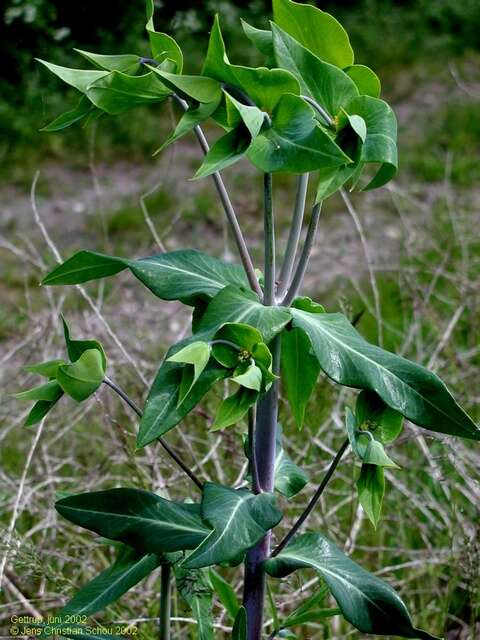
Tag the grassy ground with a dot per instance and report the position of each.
(415, 279)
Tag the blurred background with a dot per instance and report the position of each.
(405, 260)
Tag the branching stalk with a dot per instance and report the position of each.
(167, 448)
(316, 497)
(320, 110)
(302, 265)
(165, 602)
(269, 240)
(229, 210)
(293, 236)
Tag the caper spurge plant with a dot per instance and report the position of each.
(310, 111)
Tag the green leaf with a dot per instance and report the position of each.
(310, 610)
(190, 119)
(239, 631)
(290, 479)
(295, 142)
(118, 92)
(375, 455)
(241, 336)
(140, 519)
(368, 603)
(196, 354)
(263, 86)
(359, 126)
(251, 378)
(300, 370)
(48, 392)
(380, 145)
(199, 88)
(127, 63)
(76, 348)
(262, 39)
(162, 411)
(82, 378)
(316, 30)
(409, 388)
(129, 569)
(328, 85)
(188, 276)
(83, 108)
(252, 117)
(40, 410)
(366, 80)
(234, 408)
(226, 151)
(235, 305)
(371, 489)
(194, 589)
(162, 45)
(80, 79)
(373, 414)
(46, 369)
(225, 592)
(239, 520)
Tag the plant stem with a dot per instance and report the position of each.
(302, 265)
(264, 443)
(167, 448)
(293, 236)
(229, 210)
(269, 241)
(165, 601)
(325, 115)
(313, 501)
(252, 415)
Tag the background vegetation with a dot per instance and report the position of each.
(406, 259)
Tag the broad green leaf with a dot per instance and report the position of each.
(187, 276)
(46, 369)
(366, 80)
(76, 348)
(239, 520)
(234, 408)
(375, 455)
(118, 92)
(381, 142)
(295, 142)
(80, 79)
(328, 85)
(290, 479)
(373, 414)
(48, 392)
(190, 119)
(263, 86)
(225, 592)
(128, 63)
(251, 378)
(371, 489)
(162, 45)
(359, 126)
(140, 519)
(330, 180)
(263, 358)
(162, 411)
(40, 410)
(368, 603)
(196, 354)
(239, 631)
(193, 587)
(300, 370)
(235, 305)
(232, 339)
(129, 569)
(83, 108)
(252, 117)
(316, 30)
(304, 303)
(226, 151)
(409, 388)
(82, 378)
(199, 88)
(262, 39)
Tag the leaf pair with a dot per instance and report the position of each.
(79, 378)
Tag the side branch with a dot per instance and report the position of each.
(167, 448)
(229, 210)
(313, 501)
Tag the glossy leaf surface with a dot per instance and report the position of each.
(82, 378)
(66, 119)
(371, 489)
(239, 520)
(239, 631)
(290, 479)
(162, 45)
(367, 602)
(127, 63)
(407, 387)
(80, 79)
(226, 151)
(199, 88)
(366, 80)
(234, 408)
(138, 518)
